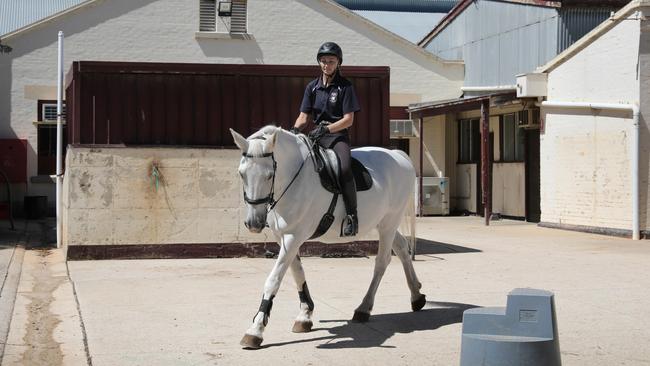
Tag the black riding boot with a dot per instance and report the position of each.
(350, 225)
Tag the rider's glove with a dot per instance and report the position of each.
(295, 130)
(318, 132)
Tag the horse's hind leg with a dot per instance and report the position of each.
(386, 236)
(288, 251)
(303, 321)
(400, 247)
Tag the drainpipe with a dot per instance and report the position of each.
(59, 142)
(634, 108)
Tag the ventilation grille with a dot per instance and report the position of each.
(207, 16)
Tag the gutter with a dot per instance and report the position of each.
(489, 88)
(634, 108)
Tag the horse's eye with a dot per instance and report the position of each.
(269, 176)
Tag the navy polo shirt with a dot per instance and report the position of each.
(329, 103)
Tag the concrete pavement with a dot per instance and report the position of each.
(194, 312)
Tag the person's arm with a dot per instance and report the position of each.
(342, 124)
(301, 121)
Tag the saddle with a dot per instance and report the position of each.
(327, 166)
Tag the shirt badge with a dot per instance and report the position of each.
(333, 96)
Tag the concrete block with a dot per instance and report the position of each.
(178, 189)
(524, 333)
(89, 227)
(175, 226)
(217, 188)
(134, 226)
(217, 225)
(90, 187)
(134, 188)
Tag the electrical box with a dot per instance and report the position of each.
(531, 85)
(13, 159)
(435, 196)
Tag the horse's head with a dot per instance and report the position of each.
(257, 170)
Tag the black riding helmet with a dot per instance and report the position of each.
(330, 48)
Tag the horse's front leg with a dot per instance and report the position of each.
(288, 251)
(303, 321)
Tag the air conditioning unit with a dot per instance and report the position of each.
(401, 129)
(435, 196)
(528, 119)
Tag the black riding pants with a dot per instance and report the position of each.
(340, 143)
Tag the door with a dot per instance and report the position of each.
(533, 211)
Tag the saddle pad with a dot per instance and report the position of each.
(362, 177)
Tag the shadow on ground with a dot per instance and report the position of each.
(424, 246)
(382, 327)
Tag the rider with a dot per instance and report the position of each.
(331, 100)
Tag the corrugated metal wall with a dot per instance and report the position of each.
(576, 22)
(15, 14)
(196, 104)
(498, 40)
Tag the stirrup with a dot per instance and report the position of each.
(350, 225)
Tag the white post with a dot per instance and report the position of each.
(59, 142)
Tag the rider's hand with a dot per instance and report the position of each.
(318, 132)
(294, 130)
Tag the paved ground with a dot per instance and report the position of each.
(194, 312)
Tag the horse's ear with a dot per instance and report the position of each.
(240, 140)
(271, 140)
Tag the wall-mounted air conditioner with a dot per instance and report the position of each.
(528, 119)
(401, 129)
(435, 196)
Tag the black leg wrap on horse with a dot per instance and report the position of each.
(265, 307)
(305, 298)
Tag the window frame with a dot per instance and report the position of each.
(46, 157)
(513, 150)
(473, 155)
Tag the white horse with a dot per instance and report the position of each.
(275, 161)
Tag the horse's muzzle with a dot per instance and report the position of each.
(255, 226)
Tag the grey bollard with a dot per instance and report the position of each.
(522, 333)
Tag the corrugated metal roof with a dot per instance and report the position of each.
(16, 14)
(408, 25)
(426, 6)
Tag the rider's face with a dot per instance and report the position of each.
(328, 64)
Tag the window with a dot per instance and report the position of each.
(46, 136)
(223, 16)
(469, 141)
(512, 137)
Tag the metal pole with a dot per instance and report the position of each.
(59, 142)
(420, 200)
(485, 159)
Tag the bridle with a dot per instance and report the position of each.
(268, 200)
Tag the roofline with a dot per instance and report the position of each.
(46, 20)
(421, 107)
(347, 12)
(590, 37)
(461, 5)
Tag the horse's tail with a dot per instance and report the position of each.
(407, 226)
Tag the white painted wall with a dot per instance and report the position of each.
(585, 155)
(288, 32)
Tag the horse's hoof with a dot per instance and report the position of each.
(360, 317)
(251, 342)
(302, 327)
(419, 303)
